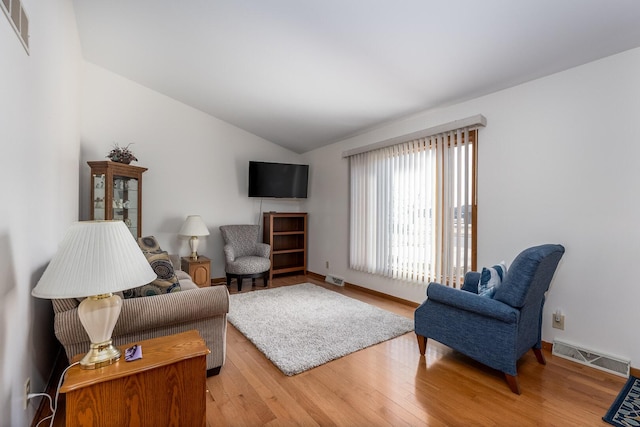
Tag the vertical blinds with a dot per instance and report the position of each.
(411, 208)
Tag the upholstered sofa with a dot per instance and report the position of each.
(202, 309)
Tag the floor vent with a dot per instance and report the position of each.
(591, 358)
(334, 280)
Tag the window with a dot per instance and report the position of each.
(412, 208)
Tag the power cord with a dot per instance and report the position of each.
(32, 395)
(53, 404)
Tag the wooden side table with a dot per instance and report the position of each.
(166, 387)
(199, 269)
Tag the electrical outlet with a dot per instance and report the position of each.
(326, 264)
(557, 321)
(27, 390)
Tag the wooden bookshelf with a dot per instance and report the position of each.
(286, 233)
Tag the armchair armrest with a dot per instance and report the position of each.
(471, 302)
(471, 279)
(263, 250)
(229, 253)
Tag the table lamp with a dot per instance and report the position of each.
(193, 227)
(95, 259)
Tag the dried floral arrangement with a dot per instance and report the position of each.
(121, 154)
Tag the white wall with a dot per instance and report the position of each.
(557, 164)
(197, 163)
(40, 149)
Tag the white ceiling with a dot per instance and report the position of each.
(306, 73)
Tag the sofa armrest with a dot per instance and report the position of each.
(185, 306)
(263, 250)
(471, 302)
(146, 313)
(182, 275)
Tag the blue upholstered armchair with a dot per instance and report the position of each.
(244, 256)
(498, 330)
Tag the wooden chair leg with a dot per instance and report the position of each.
(513, 382)
(539, 356)
(239, 280)
(422, 344)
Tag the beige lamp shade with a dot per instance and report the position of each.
(95, 259)
(194, 226)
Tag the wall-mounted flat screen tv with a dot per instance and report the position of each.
(281, 180)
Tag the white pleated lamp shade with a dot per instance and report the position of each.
(94, 258)
(194, 226)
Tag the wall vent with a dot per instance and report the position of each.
(334, 280)
(18, 19)
(604, 362)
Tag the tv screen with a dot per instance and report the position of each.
(281, 180)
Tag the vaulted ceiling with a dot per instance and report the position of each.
(306, 73)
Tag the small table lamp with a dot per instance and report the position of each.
(95, 259)
(193, 227)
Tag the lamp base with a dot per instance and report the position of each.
(193, 243)
(99, 314)
(99, 355)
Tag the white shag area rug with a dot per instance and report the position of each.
(303, 326)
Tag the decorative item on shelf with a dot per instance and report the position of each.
(193, 227)
(121, 154)
(95, 259)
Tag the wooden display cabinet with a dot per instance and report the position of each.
(286, 232)
(116, 193)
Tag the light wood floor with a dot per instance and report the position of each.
(389, 384)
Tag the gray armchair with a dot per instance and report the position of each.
(496, 331)
(244, 256)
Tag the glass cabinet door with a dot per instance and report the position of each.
(125, 202)
(98, 197)
(116, 193)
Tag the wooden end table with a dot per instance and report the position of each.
(199, 269)
(166, 387)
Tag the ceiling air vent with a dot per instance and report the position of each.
(18, 19)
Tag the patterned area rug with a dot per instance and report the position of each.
(625, 410)
(303, 326)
